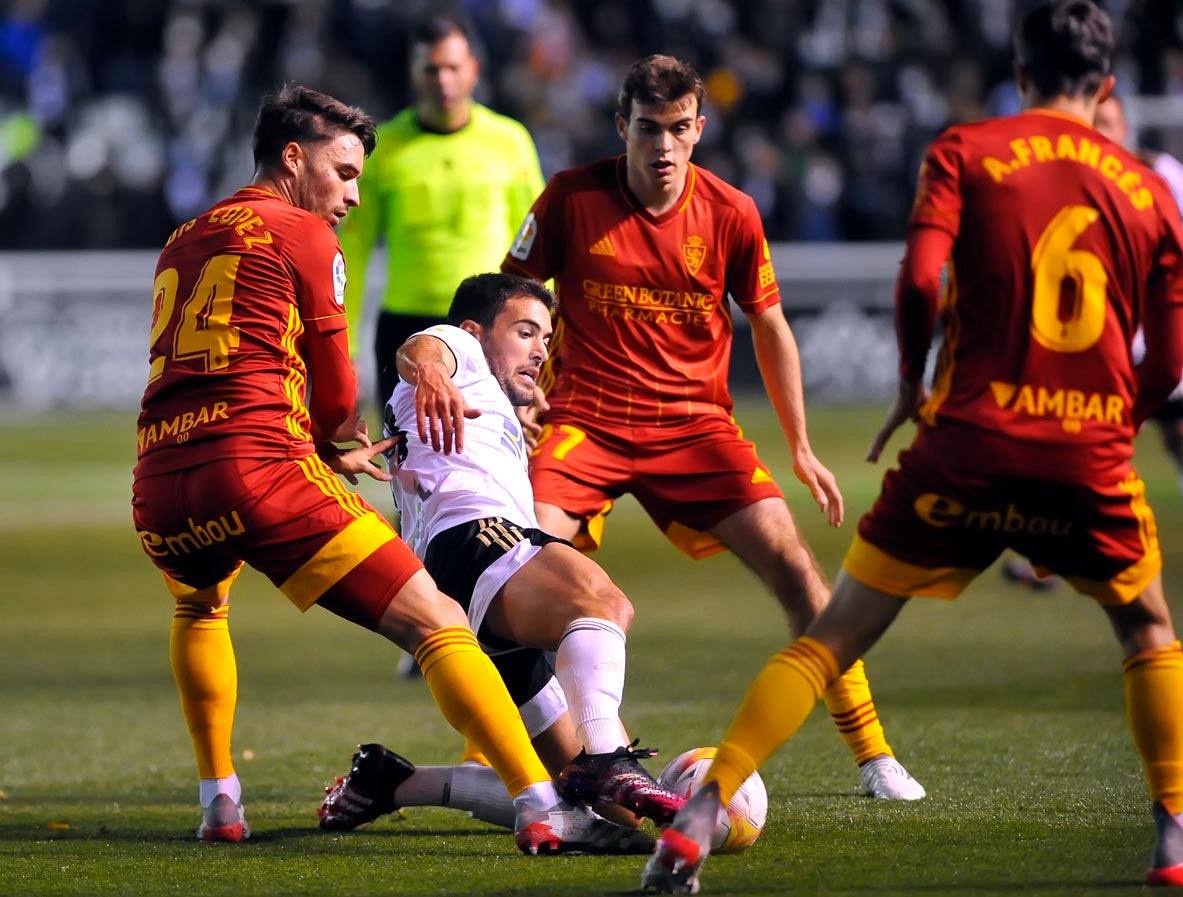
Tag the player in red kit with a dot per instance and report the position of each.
(1060, 244)
(237, 461)
(644, 250)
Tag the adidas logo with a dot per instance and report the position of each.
(602, 246)
(761, 476)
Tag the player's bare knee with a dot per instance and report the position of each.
(416, 611)
(797, 583)
(1144, 623)
(604, 603)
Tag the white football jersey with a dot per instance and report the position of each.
(434, 491)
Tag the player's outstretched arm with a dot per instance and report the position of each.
(440, 409)
(780, 368)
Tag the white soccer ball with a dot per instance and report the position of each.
(741, 824)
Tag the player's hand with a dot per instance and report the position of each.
(353, 430)
(440, 410)
(905, 408)
(821, 484)
(360, 460)
(528, 417)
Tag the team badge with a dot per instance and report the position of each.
(694, 250)
(524, 241)
(339, 278)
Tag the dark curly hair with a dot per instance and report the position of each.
(1065, 47)
(481, 297)
(302, 115)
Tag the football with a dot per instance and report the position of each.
(741, 825)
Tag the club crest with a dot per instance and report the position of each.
(694, 250)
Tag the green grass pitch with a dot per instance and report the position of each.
(1007, 706)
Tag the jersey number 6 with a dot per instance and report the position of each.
(1076, 324)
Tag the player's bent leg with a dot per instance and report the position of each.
(464, 683)
(560, 600)
(777, 703)
(1153, 677)
(764, 536)
(415, 615)
(785, 691)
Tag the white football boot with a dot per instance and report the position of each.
(884, 778)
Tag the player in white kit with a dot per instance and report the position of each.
(467, 510)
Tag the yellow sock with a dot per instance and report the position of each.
(472, 754)
(853, 710)
(1153, 696)
(778, 701)
(473, 699)
(203, 665)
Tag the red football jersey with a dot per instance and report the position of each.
(235, 290)
(644, 331)
(1060, 236)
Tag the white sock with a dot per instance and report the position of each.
(427, 786)
(211, 788)
(539, 796)
(477, 789)
(589, 664)
(469, 786)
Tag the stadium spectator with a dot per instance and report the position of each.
(236, 465)
(804, 78)
(1004, 455)
(449, 183)
(645, 249)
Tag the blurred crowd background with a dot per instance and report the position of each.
(121, 118)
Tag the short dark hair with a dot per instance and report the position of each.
(658, 79)
(481, 297)
(434, 27)
(299, 114)
(1065, 47)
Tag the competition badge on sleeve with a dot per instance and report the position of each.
(339, 278)
(524, 241)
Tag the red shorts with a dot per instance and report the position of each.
(291, 520)
(935, 527)
(688, 477)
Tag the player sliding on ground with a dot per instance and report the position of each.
(1061, 244)
(467, 510)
